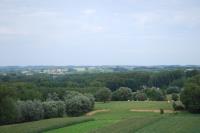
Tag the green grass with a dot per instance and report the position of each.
(42, 125)
(118, 120)
(174, 124)
(128, 125)
(119, 111)
(83, 127)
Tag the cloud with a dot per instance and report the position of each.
(89, 11)
(41, 14)
(92, 28)
(11, 31)
(142, 19)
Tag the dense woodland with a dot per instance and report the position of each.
(59, 95)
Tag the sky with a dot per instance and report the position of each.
(99, 32)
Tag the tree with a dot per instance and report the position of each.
(53, 109)
(53, 97)
(30, 110)
(78, 105)
(122, 94)
(71, 94)
(190, 96)
(154, 94)
(103, 95)
(92, 100)
(8, 111)
(140, 96)
(175, 97)
(173, 89)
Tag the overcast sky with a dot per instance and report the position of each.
(99, 32)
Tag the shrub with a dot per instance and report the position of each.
(140, 96)
(53, 97)
(71, 94)
(78, 105)
(178, 106)
(161, 111)
(122, 94)
(103, 95)
(30, 110)
(53, 109)
(154, 94)
(61, 108)
(190, 96)
(92, 100)
(175, 97)
(8, 111)
(173, 89)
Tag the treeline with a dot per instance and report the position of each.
(39, 86)
(72, 104)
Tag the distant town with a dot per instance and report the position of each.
(61, 70)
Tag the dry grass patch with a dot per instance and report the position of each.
(97, 111)
(151, 110)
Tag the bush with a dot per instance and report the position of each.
(140, 96)
(61, 108)
(173, 89)
(53, 109)
(78, 105)
(154, 94)
(92, 100)
(30, 110)
(190, 96)
(161, 111)
(175, 97)
(8, 111)
(52, 97)
(122, 94)
(71, 94)
(103, 95)
(178, 106)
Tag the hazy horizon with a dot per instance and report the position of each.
(96, 33)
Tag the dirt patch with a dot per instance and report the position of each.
(97, 111)
(151, 110)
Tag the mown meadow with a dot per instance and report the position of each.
(117, 119)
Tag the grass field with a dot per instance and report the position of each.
(119, 119)
(42, 125)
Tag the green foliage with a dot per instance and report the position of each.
(154, 94)
(78, 105)
(53, 97)
(190, 96)
(122, 94)
(8, 110)
(92, 100)
(161, 111)
(177, 105)
(139, 96)
(30, 110)
(173, 89)
(175, 97)
(71, 94)
(54, 109)
(103, 95)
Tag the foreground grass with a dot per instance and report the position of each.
(83, 127)
(42, 125)
(174, 124)
(128, 125)
(119, 112)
